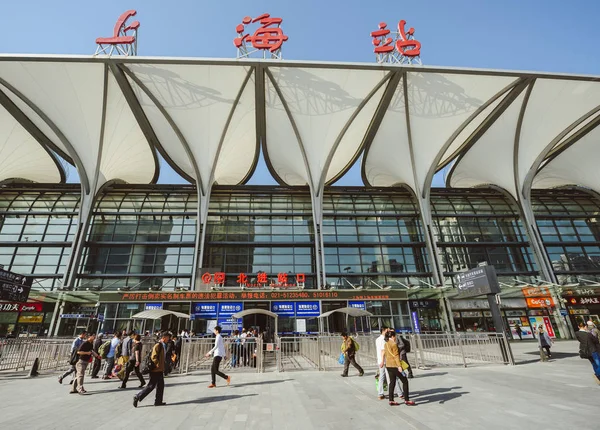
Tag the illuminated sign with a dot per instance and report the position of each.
(308, 309)
(226, 310)
(260, 280)
(358, 305)
(205, 310)
(283, 309)
(540, 302)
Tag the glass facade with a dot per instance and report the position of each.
(373, 239)
(37, 227)
(264, 231)
(140, 239)
(569, 227)
(474, 226)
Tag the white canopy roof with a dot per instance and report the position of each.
(110, 116)
(155, 314)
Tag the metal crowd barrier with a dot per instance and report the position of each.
(298, 353)
(462, 349)
(241, 354)
(20, 354)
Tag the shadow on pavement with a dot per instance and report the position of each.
(556, 355)
(250, 384)
(212, 399)
(437, 395)
(425, 375)
(422, 393)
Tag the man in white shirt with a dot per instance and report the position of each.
(219, 353)
(383, 374)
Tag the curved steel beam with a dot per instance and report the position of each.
(226, 127)
(338, 140)
(380, 113)
(485, 125)
(139, 115)
(175, 128)
(537, 166)
(518, 140)
(436, 166)
(294, 127)
(73, 157)
(259, 114)
(34, 131)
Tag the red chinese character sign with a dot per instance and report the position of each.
(267, 39)
(396, 47)
(124, 38)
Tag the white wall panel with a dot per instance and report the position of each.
(438, 104)
(239, 148)
(126, 153)
(21, 156)
(552, 107)
(490, 160)
(199, 99)
(321, 101)
(387, 161)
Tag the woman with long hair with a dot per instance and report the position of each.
(393, 365)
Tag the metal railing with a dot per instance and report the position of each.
(462, 349)
(240, 354)
(285, 354)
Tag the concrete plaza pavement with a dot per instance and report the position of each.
(550, 395)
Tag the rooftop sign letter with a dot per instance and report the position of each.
(399, 47)
(268, 38)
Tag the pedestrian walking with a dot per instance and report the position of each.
(110, 358)
(218, 353)
(519, 331)
(86, 354)
(349, 349)
(157, 377)
(178, 347)
(589, 348)
(404, 348)
(134, 362)
(544, 341)
(383, 374)
(395, 371)
(74, 348)
(591, 327)
(97, 359)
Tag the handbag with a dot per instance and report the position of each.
(404, 365)
(74, 358)
(342, 358)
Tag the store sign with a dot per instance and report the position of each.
(477, 282)
(205, 310)
(76, 316)
(308, 309)
(283, 309)
(358, 305)
(536, 292)
(31, 319)
(583, 300)
(226, 310)
(540, 302)
(31, 307)
(423, 304)
(153, 306)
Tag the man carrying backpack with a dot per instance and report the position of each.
(110, 357)
(349, 349)
(157, 368)
(98, 359)
(74, 348)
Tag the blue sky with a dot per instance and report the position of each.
(550, 35)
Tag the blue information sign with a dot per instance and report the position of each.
(229, 308)
(227, 324)
(152, 306)
(358, 305)
(205, 310)
(415, 320)
(283, 309)
(308, 309)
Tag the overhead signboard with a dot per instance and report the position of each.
(15, 278)
(540, 302)
(226, 310)
(14, 292)
(308, 309)
(205, 310)
(153, 306)
(358, 305)
(283, 309)
(477, 282)
(76, 316)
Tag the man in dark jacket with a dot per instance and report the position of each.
(157, 378)
(98, 360)
(589, 347)
(349, 350)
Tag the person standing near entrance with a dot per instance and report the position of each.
(157, 377)
(86, 353)
(383, 374)
(74, 347)
(218, 353)
(589, 347)
(97, 359)
(544, 340)
(519, 331)
(349, 350)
